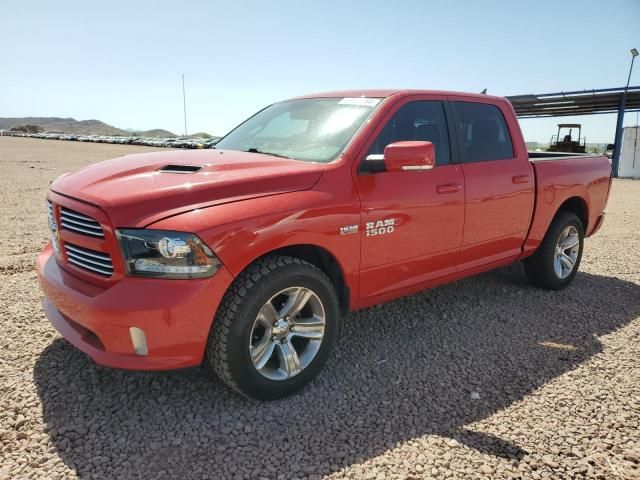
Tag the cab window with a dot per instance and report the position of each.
(420, 120)
(482, 132)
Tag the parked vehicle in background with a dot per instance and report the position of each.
(189, 142)
(246, 256)
(564, 141)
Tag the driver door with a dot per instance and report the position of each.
(412, 221)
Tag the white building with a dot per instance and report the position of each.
(629, 166)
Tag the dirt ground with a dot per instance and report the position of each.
(485, 378)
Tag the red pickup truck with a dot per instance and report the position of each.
(245, 256)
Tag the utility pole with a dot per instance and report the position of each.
(618, 141)
(184, 105)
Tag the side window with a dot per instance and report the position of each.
(422, 120)
(482, 132)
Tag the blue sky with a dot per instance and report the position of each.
(121, 61)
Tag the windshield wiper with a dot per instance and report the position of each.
(257, 150)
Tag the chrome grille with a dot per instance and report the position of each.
(97, 262)
(53, 228)
(79, 223)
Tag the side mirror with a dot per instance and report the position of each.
(400, 156)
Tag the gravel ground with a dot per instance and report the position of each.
(484, 378)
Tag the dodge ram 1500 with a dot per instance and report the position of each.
(244, 257)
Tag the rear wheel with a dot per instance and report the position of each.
(275, 328)
(556, 262)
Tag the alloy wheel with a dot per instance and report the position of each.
(287, 333)
(566, 252)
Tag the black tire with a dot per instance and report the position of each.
(540, 266)
(228, 345)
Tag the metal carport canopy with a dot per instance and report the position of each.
(584, 102)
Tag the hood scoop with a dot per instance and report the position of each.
(180, 168)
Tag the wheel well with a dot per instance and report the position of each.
(577, 206)
(326, 262)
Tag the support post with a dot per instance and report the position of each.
(618, 140)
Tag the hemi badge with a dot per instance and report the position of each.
(348, 229)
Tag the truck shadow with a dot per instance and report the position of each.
(433, 363)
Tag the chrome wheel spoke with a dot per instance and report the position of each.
(557, 266)
(268, 314)
(261, 353)
(564, 235)
(570, 242)
(567, 261)
(289, 360)
(312, 329)
(298, 298)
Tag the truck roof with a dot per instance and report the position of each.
(384, 93)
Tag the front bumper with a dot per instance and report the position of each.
(175, 315)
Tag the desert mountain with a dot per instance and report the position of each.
(79, 127)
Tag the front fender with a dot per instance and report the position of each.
(241, 232)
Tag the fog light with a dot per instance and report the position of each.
(139, 340)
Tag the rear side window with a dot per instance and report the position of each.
(482, 132)
(421, 120)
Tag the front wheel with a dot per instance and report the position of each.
(275, 328)
(556, 262)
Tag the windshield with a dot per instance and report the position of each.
(310, 129)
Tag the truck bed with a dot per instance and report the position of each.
(557, 155)
(564, 178)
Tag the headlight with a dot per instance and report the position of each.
(165, 254)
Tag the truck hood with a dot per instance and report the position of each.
(134, 191)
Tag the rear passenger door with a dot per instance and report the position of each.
(499, 183)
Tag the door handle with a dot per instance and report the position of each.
(520, 179)
(449, 188)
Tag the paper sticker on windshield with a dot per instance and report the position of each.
(359, 101)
